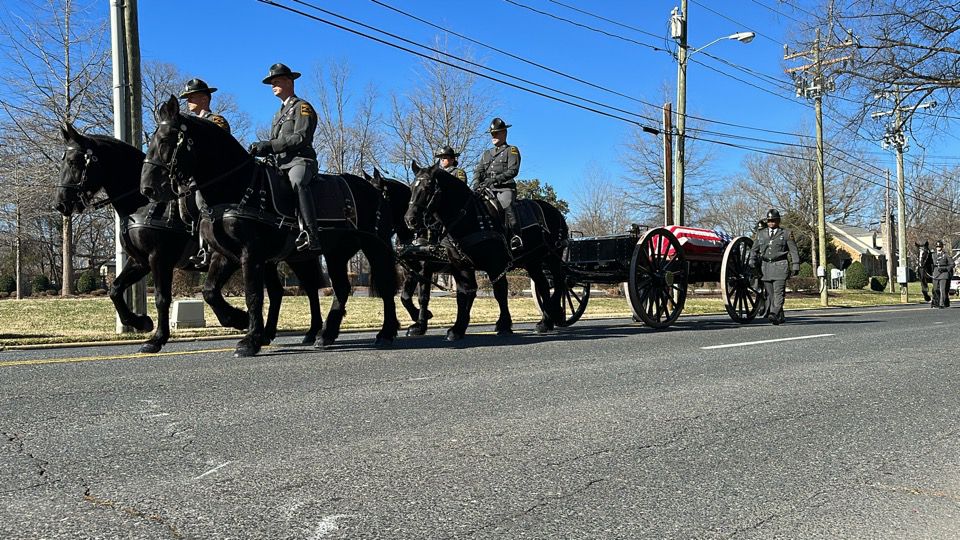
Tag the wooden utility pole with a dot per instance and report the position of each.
(679, 163)
(888, 236)
(66, 246)
(812, 82)
(667, 164)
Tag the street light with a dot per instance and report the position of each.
(678, 31)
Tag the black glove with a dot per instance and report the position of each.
(261, 148)
(795, 272)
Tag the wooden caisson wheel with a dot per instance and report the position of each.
(657, 288)
(738, 281)
(573, 302)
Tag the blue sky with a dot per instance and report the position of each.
(231, 43)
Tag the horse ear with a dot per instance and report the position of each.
(414, 167)
(376, 174)
(366, 176)
(65, 131)
(169, 108)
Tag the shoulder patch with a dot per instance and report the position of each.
(219, 120)
(514, 150)
(306, 109)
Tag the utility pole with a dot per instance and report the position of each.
(896, 138)
(667, 164)
(127, 124)
(680, 34)
(811, 82)
(18, 179)
(888, 236)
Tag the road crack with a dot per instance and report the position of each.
(130, 511)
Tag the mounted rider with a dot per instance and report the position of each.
(198, 95)
(291, 142)
(447, 156)
(496, 171)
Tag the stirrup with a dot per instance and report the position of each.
(307, 242)
(201, 259)
(516, 243)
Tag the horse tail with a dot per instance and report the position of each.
(385, 276)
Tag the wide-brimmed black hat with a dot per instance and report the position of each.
(498, 125)
(196, 86)
(939, 243)
(446, 151)
(773, 214)
(280, 70)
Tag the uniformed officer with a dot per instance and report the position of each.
(448, 162)
(198, 96)
(496, 171)
(772, 247)
(291, 141)
(942, 273)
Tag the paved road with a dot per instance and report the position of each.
(606, 430)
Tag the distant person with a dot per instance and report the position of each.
(772, 248)
(448, 162)
(942, 273)
(496, 171)
(291, 141)
(198, 96)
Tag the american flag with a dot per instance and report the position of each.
(700, 241)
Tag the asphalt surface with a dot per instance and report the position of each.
(604, 430)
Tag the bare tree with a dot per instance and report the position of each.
(642, 156)
(349, 137)
(446, 107)
(60, 72)
(600, 206)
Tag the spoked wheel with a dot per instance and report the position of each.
(657, 288)
(738, 281)
(573, 302)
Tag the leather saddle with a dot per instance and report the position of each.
(332, 198)
(157, 215)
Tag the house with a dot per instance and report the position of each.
(862, 245)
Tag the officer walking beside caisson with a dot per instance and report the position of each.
(496, 171)
(772, 248)
(198, 96)
(291, 141)
(942, 273)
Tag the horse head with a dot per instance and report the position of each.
(77, 185)
(169, 161)
(424, 194)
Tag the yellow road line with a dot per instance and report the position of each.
(39, 361)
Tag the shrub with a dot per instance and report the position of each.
(4, 294)
(40, 284)
(88, 282)
(516, 284)
(879, 283)
(856, 276)
(801, 283)
(8, 284)
(806, 270)
(99, 292)
(184, 282)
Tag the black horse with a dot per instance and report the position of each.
(152, 234)
(196, 154)
(476, 241)
(418, 269)
(924, 269)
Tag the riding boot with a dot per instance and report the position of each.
(513, 228)
(309, 238)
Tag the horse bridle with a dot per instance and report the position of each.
(425, 209)
(174, 174)
(86, 194)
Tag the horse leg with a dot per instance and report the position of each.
(924, 287)
(163, 295)
(132, 272)
(253, 285)
(337, 269)
(504, 325)
(311, 280)
(543, 294)
(466, 294)
(271, 278)
(425, 314)
(383, 278)
(410, 283)
(218, 273)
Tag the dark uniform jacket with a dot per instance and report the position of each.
(942, 265)
(772, 252)
(457, 171)
(498, 167)
(291, 135)
(216, 119)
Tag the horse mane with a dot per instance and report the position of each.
(213, 132)
(122, 149)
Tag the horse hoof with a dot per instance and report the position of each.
(383, 343)
(323, 343)
(150, 348)
(542, 328)
(264, 341)
(143, 324)
(308, 339)
(505, 332)
(416, 330)
(454, 336)
(245, 351)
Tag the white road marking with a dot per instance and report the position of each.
(159, 415)
(746, 343)
(419, 379)
(213, 470)
(327, 525)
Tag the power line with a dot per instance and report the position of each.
(775, 10)
(605, 19)
(717, 13)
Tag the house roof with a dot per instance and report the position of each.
(854, 237)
